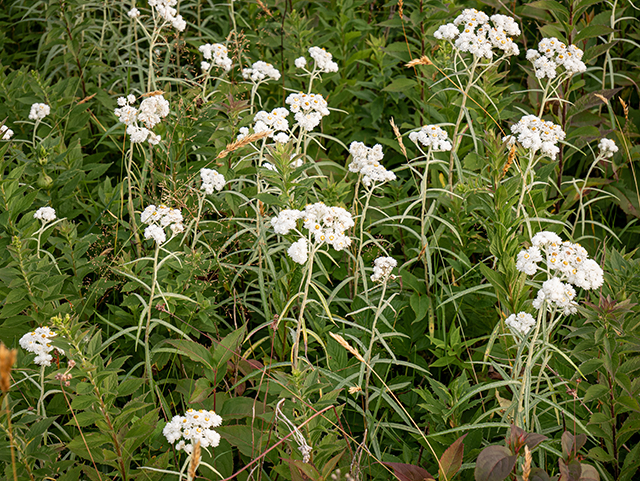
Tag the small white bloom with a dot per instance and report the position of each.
(323, 59)
(261, 72)
(218, 54)
(133, 13)
(366, 161)
(39, 111)
(433, 137)
(45, 214)
(382, 268)
(521, 323)
(300, 62)
(5, 132)
(193, 427)
(156, 233)
(39, 343)
(211, 180)
(607, 148)
(285, 221)
(299, 251)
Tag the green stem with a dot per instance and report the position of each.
(361, 238)
(147, 352)
(301, 328)
(132, 214)
(40, 407)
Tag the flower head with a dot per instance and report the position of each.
(193, 427)
(133, 13)
(5, 132)
(432, 136)
(552, 54)
(261, 72)
(536, 134)
(158, 218)
(45, 214)
(366, 161)
(382, 268)
(211, 180)
(300, 62)
(39, 111)
(140, 121)
(299, 251)
(520, 323)
(165, 9)
(324, 60)
(308, 109)
(39, 342)
(607, 148)
(217, 54)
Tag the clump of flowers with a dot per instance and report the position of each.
(215, 54)
(45, 214)
(551, 54)
(261, 72)
(274, 121)
(564, 261)
(5, 132)
(39, 112)
(472, 32)
(433, 137)
(324, 60)
(140, 121)
(325, 225)
(166, 10)
(39, 343)
(308, 109)
(158, 218)
(366, 161)
(607, 148)
(211, 180)
(521, 323)
(382, 268)
(193, 427)
(133, 13)
(536, 134)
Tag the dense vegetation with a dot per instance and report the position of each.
(200, 251)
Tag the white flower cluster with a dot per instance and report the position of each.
(324, 60)
(308, 109)
(261, 71)
(158, 218)
(536, 134)
(39, 111)
(152, 110)
(194, 426)
(325, 224)
(5, 132)
(432, 136)
(211, 180)
(551, 54)
(45, 214)
(478, 36)
(607, 148)
(166, 9)
(274, 121)
(564, 261)
(300, 62)
(521, 323)
(133, 13)
(218, 55)
(39, 342)
(366, 161)
(382, 268)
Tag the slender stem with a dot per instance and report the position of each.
(40, 406)
(456, 141)
(363, 217)
(371, 343)
(5, 401)
(132, 214)
(423, 227)
(195, 229)
(147, 352)
(301, 324)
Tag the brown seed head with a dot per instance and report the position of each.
(396, 131)
(195, 461)
(424, 60)
(7, 359)
(241, 143)
(511, 157)
(340, 340)
(528, 458)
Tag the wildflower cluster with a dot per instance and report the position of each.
(382, 268)
(211, 180)
(607, 148)
(39, 112)
(551, 54)
(308, 109)
(45, 214)
(521, 322)
(324, 60)
(433, 137)
(478, 36)
(274, 121)
(366, 161)
(261, 71)
(5, 132)
(158, 218)
(133, 13)
(564, 261)
(166, 10)
(216, 54)
(140, 121)
(39, 342)
(325, 224)
(536, 134)
(194, 426)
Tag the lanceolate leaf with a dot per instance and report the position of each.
(494, 463)
(451, 460)
(409, 472)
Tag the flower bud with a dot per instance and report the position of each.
(44, 181)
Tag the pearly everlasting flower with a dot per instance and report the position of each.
(218, 55)
(300, 62)
(158, 218)
(274, 121)
(324, 60)
(299, 251)
(5, 132)
(474, 32)
(551, 54)
(133, 13)
(244, 131)
(39, 342)
(366, 161)
(165, 9)
(285, 221)
(281, 138)
(520, 323)
(556, 294)
(309, 109)
(39, 112)
(432, 136)
(45, 214)
(527, 260)
(194, 426)
(382, 268)
(536, 134)
(261, 72)
(140, 121)
(211, 180)
(607, 148)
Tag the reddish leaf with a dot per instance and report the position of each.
(409, 472)
(494, 463)
(451, 460)
(571, 471)
(589, 473)
(538, 474)
(572, 444)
